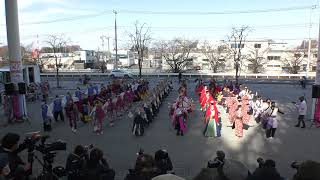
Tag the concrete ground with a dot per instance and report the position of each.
(191, 152)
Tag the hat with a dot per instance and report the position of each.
(167, 177)
(4, 160)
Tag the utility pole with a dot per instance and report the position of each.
(13, 38)
(309, 46)
(116, 39)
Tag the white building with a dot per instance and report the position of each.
(125, 58)
(67, 60)
(273, 57)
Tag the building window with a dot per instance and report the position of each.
(257, 45)
(274, 57)
(237, 45)
(314, 68)
(315, 55)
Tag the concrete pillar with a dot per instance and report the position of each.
(13, 40)
(14, 48)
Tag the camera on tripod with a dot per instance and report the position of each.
(48, 153)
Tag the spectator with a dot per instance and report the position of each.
(163, 161)
(98, 168)
(10, 146)
(57, 109)
(266, 171)
(4, 166)
(308, 170)
(76, 164)
(145, 169)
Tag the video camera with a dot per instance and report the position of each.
(48, 153)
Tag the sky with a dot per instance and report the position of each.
(83, 22)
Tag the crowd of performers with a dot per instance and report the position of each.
(180, 109)
(148, 108)
(239, 105)
(95, 104)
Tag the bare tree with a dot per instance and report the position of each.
(100, 62)
(237, 39)
(140, 40)
(256, 59)
(57, 44)
(215, 55)
(176, 53)
(294, 61)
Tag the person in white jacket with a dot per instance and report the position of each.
(302, 110)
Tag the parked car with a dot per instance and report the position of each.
(120, 73)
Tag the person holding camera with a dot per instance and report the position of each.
(10, 147)
(4, 166)
(76, 163)
(98, 168)
(302, 110)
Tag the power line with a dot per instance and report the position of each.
(104, 12)
(217, 12)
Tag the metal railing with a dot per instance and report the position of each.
(189, 75)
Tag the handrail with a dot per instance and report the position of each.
(311, 76)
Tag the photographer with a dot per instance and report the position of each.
(98, 168)
(76, 163)
(163, 161)
(10, 146)
(266, 171)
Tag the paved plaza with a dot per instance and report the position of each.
(191, 152)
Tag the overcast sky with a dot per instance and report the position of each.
(84, 21)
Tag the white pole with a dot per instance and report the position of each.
(309, 45)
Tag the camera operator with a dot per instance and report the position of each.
(266, 171)
(98, 168)
(163, 161)
(76, 163)
(10, 146)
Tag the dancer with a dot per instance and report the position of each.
(213, 124)
(138, 127)
(71, 113)
(99, 116)
(179, 120)
(238, 123)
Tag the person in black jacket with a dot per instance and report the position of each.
(98, 168)
(10, 146)
(76, 164)
(145, 169)
(163, 162)
(266, 171)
